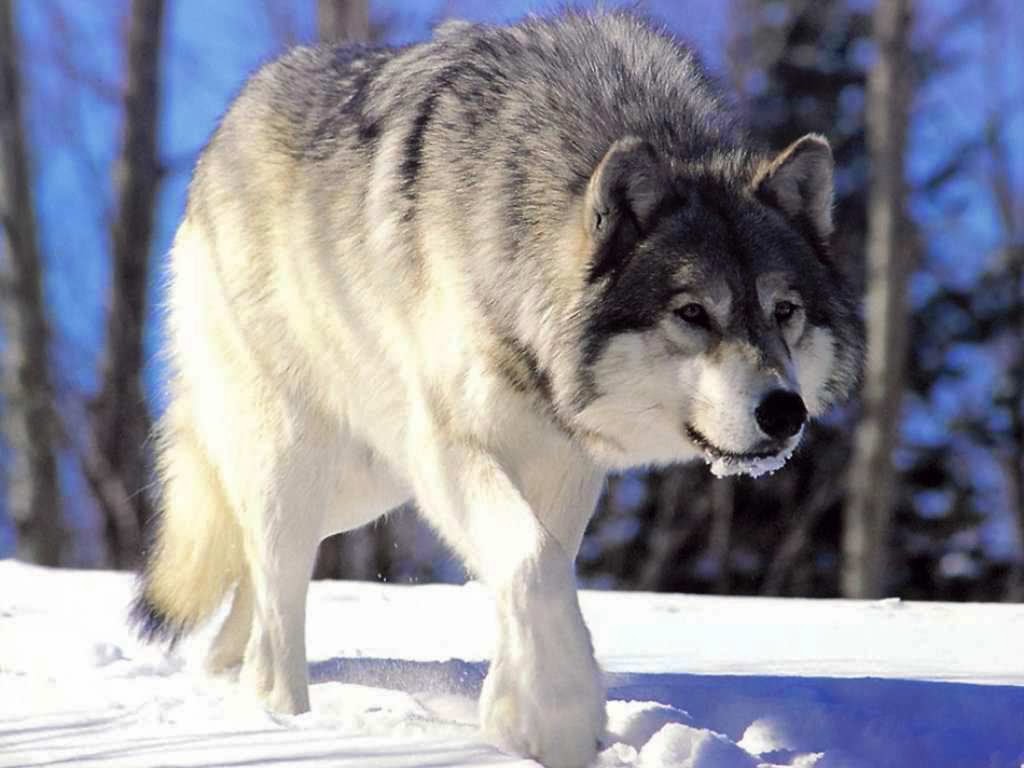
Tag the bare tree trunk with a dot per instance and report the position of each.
(30, 424)
(806, 516)
(343, 21)
(672, 529)
(723, 500)
(118, 470)
(872, 494)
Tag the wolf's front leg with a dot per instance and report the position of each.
(544, 696)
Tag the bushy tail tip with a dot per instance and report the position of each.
(152, 625)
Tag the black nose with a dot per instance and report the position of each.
(781, 414)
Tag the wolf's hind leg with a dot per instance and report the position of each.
(281, 482)
(275, 655)
(228, 647)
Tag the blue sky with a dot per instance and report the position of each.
(73, 58)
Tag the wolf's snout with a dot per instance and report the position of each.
(781, 414)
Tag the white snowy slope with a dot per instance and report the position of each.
(694, 682)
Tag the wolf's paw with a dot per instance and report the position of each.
(281, 696)
(553, 713)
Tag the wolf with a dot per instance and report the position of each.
(479, 273)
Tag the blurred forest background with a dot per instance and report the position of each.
(916, 489)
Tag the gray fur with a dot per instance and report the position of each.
(501, 129)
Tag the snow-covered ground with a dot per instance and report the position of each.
(694, 682)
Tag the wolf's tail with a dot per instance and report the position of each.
(195, 555)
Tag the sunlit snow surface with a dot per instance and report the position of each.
(694, 682)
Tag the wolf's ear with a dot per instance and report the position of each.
(798, 181)
(623, 197)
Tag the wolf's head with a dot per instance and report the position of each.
(715, 321)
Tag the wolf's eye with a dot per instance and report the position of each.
(694, 314)
(785, 310)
